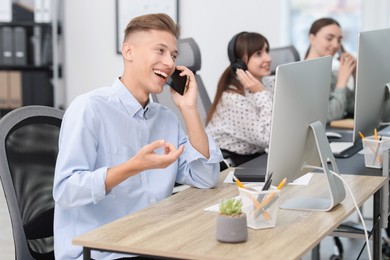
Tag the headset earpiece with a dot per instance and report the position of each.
(234, 62)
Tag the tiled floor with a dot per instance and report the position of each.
(351, 246)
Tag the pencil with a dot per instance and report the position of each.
(239, 184)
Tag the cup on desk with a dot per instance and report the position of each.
(373, 148)
(260, 207)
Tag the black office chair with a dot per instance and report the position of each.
(283, 55)
(189, 56)
(28, 152)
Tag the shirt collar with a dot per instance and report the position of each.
(130, 103)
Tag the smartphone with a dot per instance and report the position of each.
(340, 51)
(177, 82)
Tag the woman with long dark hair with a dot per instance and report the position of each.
(240, 117)
(325, 39)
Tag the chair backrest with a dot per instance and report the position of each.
(189, 56)
(283, 55)
(28, 152)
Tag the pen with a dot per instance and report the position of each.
(361, 135)
(267, 184)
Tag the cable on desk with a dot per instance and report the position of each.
(357, 210)
(354, 202)
(369, 235)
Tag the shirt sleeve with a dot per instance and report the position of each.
(337, 104)
(75, 183)
(197, 171)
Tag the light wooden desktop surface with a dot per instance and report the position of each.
(178, 227)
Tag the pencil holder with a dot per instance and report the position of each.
(260, 207)
(373, 149)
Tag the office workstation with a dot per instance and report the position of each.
(148, 231)
(291, 161)
(83, 71)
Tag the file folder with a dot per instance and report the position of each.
(15, 89)
(5, 10)
(3, 89)
(38, 11)
(20, 46)
(7, 45)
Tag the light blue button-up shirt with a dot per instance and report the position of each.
(104, 128)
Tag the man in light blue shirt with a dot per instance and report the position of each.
(119, 153)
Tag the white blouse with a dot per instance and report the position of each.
(242, 124)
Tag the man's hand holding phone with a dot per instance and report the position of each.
(183, 82)
(177, 82)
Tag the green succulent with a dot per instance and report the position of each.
(230, 207)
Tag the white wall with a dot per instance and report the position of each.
(91, 61)
(89, 27)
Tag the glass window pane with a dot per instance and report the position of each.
(303, 13)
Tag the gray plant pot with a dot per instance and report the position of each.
(231, 229)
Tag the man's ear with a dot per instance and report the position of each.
(127, 51)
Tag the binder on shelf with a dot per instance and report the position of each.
(36, 40)
(7, 45)
(20, 55)
(46, 11)
(47, 50)
(38, 12)
(3, 89)
(5, 10)
(15, 89)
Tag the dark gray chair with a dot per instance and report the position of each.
(28, 153)
(283, 55)
(189, 56)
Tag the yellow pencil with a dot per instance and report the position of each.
(239, 184)
(281, 184)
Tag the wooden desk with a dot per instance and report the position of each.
(178, 227)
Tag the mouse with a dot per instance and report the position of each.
(333, 135)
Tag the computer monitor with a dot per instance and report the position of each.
(372, 105)
(298, 141)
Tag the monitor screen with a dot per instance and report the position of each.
(300, 98)
(298, 142)
(372, 106)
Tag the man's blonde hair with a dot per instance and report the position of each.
(159, 21)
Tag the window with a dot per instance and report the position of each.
(303, 13)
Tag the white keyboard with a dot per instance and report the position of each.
(339, 147)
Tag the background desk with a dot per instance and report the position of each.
(178, 227)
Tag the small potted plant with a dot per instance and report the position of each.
(231, 222)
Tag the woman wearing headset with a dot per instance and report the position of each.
(240, 117)
(325, 39)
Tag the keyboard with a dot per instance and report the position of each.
(339, 147)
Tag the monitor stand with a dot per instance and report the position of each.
(335, 185)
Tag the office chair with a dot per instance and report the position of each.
(283, 55)
(189, 56)
(28, 152)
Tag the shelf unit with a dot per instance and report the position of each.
(42, 68)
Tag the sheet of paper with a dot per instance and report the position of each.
(303, 180)
(229, 177)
